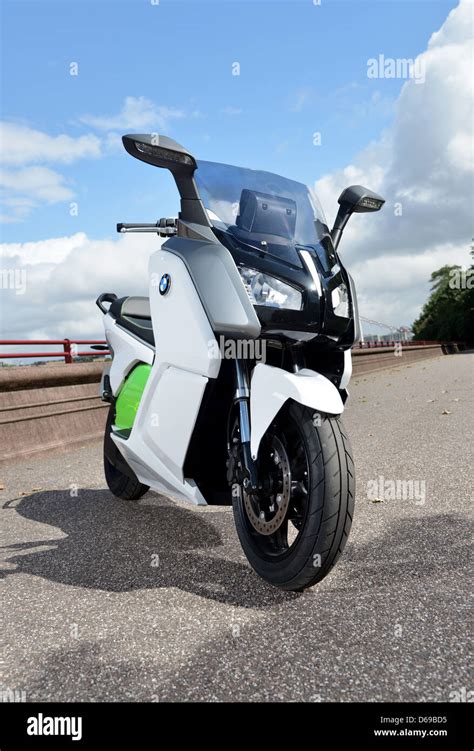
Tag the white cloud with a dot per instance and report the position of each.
(23, 145)
(25, 181)
(391, 289)
(423, 162)
(461, 152)
(18, 207)
(39, 183)
(26, 151)
(52, 251)
(137, 114)
(64, 276)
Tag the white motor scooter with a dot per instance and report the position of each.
(227, 382)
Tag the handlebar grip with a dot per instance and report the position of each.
(122, 227)
(105, 297)
(163, 227)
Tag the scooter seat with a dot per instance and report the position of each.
(133, 314)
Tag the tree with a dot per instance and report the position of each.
(448, 314)
(468, 304)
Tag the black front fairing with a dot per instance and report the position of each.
(317, 317)
(269, 223)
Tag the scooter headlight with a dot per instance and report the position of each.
(266, 290)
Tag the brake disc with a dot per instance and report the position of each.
(266, 522)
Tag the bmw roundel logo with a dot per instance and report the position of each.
(165, 284)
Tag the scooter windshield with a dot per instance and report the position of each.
(261, 210)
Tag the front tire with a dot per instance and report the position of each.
(306, 470)
(119, 476)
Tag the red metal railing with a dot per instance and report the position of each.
(393, 342)
(69, 348)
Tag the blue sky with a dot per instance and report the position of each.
(303, 69)
(167, 68)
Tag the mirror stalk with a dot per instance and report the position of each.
(341, 220)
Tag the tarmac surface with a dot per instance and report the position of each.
(105, 600)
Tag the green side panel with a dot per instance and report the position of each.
(129, 397)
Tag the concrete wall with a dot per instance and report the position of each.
(49, 407)
(56, 405)
(368, 360)
(21, 377)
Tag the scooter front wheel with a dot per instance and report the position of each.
(120, 477)
(295, 528)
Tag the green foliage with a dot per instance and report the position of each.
(448, 315)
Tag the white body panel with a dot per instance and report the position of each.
(164, 423)
(128, 352)
(156, 448)
(271, 387)
(347, 373)
(183, 335)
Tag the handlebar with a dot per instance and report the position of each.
(163, 227)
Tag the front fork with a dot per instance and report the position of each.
(242, 401)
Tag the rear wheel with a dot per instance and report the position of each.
(295, 528)
(120, 477)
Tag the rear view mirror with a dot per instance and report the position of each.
(161, 151)
(354, 200)
(361, 199)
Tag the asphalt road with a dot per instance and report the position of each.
(88, 614)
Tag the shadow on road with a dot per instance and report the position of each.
(120, 546)
(377, 614)
(411, 576)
